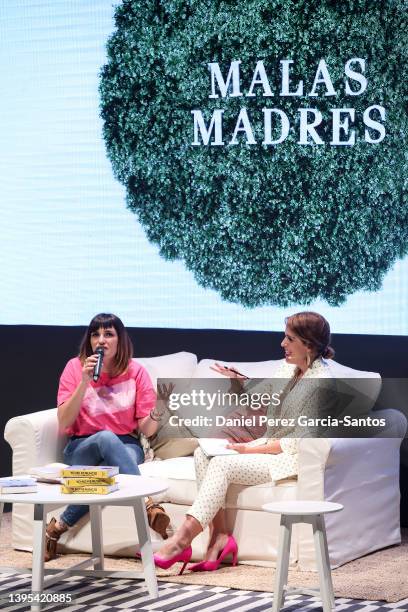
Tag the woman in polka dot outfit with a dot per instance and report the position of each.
(306, 345)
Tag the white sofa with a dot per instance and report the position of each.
(361, 474)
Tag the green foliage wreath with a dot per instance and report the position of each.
(260, 224)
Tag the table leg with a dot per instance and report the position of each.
(146, 551)
(282, 563)
(1, 512)
(37, 581)
(97, 538)
(323, 564)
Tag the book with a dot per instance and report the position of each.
(19, 489)
(89, 471)
(90, 490)
(84, 481)
(17, 481)
(50, 473)
(215, 446)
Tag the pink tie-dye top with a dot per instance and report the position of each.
(113, 404)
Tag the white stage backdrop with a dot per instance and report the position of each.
(69, 247)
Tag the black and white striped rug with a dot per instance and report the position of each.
(103, 594)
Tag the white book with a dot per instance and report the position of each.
(17, 481)
(50, 473)
(215, 446)
(22, 490)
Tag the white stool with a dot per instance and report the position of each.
(303, 512)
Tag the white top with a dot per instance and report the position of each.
(302, 507)
(130, 487)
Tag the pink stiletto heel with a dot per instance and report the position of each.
(231, 547)
(184, 556)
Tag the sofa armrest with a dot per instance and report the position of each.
(328, 464)
(313, 457)
(362, 474)
(34, 439)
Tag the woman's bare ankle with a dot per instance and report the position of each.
(61, 525)
(182, 539)
(172, 547)
(217, 542)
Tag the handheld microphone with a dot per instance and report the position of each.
(98, 365)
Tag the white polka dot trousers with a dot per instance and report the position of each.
(215, 474)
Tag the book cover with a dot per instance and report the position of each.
(84, 481)
(90, 490)
(18, 489)
(16, 481)
(90, 471)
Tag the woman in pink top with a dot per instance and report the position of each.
(100, 416)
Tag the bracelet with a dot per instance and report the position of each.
(154, 418)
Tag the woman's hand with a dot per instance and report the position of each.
(69, 410)
(88, 368)
(272, 447)
(227, 371)
(164, 391)
(239, 447)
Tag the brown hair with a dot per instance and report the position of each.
(124, 352)
(314, 332)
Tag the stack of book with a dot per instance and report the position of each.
(17, 484)
(89, 479)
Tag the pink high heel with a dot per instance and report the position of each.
(231, 547)
(184, 556)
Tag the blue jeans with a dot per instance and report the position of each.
(102, 448)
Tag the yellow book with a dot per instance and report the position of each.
(85, 482)
(90, 490)
(89, 471)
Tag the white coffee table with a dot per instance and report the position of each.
(132, 491)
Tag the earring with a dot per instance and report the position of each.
(308, 360)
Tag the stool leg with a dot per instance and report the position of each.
(282, 563)
(321, 522)
(323, 565)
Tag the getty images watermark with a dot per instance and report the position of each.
(209, 400)
(214, 401)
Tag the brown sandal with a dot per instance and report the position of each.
(52, 535)
(157, 517)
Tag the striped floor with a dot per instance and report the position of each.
(102, 594)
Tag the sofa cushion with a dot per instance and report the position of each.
(180, 475)
(252, 369)
(184, 431)
(175, 365)
(363, 387)
(246, 497)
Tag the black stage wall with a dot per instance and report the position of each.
(34, 356)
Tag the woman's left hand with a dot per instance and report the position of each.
(164, 391)
(272, 447)
(240, 447)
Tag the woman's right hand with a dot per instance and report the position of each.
(88, 368)
(227, 371)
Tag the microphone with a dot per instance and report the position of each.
(98, 366)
